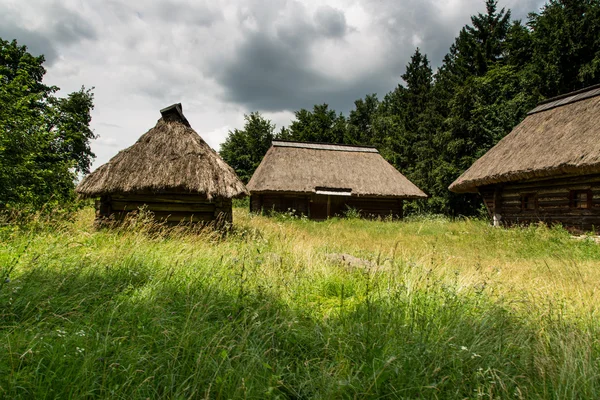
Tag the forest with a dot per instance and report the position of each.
(437, 122)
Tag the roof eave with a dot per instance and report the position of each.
(560, 171)
(354, 194)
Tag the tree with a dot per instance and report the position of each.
(320, 125)
(463, 132)
(44, 140)
(566, 44)
(404, 123)
(360, 130)
(244, 149)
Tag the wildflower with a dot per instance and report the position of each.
(463, 348)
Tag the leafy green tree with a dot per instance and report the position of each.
(360, 129)
(244, 149)
(44, 140)
(284, 134)
(320, 125)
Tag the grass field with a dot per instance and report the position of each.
(443, 309)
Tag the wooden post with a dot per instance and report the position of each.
(497, 206)
(328, 206)
(104, 208)
(401, 209)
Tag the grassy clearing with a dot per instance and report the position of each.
(458, 310)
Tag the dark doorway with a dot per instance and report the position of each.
(318, 207)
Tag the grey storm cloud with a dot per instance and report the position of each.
(36, 43)
(273, 69)
(170, 11)
(331, 22)
(61, 27)
(270, 74)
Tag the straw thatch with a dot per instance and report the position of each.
(559, 137)
(304, 167)
(169, 158)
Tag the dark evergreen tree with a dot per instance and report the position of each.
(566, 45)
(479, 54)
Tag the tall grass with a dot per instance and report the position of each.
(445, 309)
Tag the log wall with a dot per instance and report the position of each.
(297, 204)
(320, 207)
(170, 208)
(550, 201)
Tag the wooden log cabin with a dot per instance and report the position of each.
(171, 172)
(547, 169)
(324, 180)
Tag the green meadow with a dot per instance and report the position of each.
(426, 308)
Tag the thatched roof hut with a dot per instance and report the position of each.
(304, 175)
(170, 164)
(560, 136)
(557, 146)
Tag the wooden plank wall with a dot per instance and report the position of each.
(367, 206)
(553, 202)
(170, 208)
(280, 203)
(376, 206)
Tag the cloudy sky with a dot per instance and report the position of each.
(224, 58)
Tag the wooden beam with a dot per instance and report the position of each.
(161, 198)
(173, 207)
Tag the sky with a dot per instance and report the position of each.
(222, 59)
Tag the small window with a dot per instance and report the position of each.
(529, 201)
(580, 199)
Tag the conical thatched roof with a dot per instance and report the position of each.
(169, 158)
(307, 167)
(561, 136)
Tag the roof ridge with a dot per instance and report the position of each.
(567, 98)
(573, 93)
(324, 146)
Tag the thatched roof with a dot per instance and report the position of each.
(310, 167)
(561, 136)
(169, 158)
